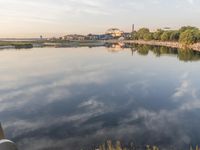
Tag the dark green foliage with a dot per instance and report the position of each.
(19, 46)
(144, 34)
(148, 36)
(134, 35)
(186, 35)
(189, 36)
(174, 36)
(183, 29)
(157, 34)
(182, 54)
(166, 36)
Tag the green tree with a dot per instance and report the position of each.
(134, 35)
(157, 34)
(143, 49)
(189, 36)
(148, 36)
(174, 36)
(184, 28)
(166, 36)
(142, 32)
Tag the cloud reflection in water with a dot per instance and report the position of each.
(73, 98)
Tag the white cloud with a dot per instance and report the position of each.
(183, 89)
(191, 1)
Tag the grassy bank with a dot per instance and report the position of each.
(85, 43)
(17, 45)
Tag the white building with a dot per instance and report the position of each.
(114, 32)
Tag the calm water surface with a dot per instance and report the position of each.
(73, 98)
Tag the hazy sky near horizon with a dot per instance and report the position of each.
(31, 18)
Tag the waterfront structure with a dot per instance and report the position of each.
(99, 37)
(74, 37)
(114, 32)
(92, 37)
(127, 35)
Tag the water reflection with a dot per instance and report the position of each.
(182, 54)
(77, 98)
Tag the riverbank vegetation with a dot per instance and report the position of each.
(109, 145)
(186, 35)
(16, 44)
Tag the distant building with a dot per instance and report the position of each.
(99, 37)
(114, 32)
(92, 37)
(127, 35)
(74, 37)
(105, 37)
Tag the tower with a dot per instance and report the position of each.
(133, 28)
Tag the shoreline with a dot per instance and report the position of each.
(34, 44)
(195, 46)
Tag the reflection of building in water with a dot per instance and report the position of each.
(114, 32)
(116, 47)
(1, 133)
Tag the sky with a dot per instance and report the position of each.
(32, 18)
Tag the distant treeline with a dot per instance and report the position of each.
(186, 35)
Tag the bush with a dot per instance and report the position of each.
(157, 34)
(148, 37)
(166, 36)
(189, 36)
(174, 36)
(142, 33)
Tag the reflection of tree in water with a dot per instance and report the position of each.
(143, 49)
(182, 54)
(189, 55)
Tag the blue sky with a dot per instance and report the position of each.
(30, 18)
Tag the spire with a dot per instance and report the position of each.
(1, 133)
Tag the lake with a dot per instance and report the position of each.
(77, 98)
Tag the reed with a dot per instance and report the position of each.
(2, 136)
